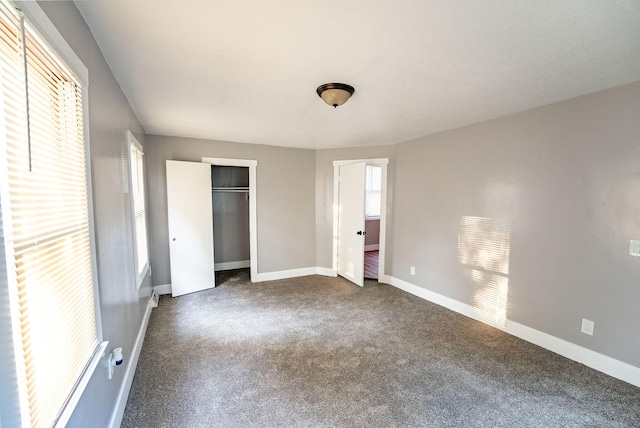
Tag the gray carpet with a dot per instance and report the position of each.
(321, 352)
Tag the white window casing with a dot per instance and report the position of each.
(373, 193)
(138, 208)
(47, 221)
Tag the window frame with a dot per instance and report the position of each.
(139, 274)
(368, 192)
(50, 37)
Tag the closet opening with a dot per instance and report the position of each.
(231, 224)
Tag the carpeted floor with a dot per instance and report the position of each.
(321, 352)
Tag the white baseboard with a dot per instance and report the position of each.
(372, 247)
(269, 276)
(294, 273)
(602, 363)
(326, 271)
(163, 289)
(123, 394)
(283, 274)
(232, 265)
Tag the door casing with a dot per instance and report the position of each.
(253, 219)
(383, 162)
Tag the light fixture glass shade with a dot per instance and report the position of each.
(335, 94)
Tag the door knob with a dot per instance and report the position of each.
(360, 232)
(173, 239)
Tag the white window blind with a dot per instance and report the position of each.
(138, 207)
(373, 183)
(45, 213)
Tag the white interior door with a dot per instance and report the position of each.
(190, 226)
(351, 222)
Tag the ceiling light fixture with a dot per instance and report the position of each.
(335, 94)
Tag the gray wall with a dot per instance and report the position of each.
(230, 227)
(372, 227)
(122, 306)
(564, 181)
(285, 199)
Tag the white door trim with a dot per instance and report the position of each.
(384, 162)
(253, 219)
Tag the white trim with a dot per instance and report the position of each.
(376, 161)
(163, 289)
(80, 387)
(253, 216)
(384, 279)
(125, 388)
(372, 247)
(384, 162)
(602, 363)
(232, 265)
(326, 271)
(43, 25)
(230, 162)
(284, 274)
(270, 276)
(336, 202)
(138, 273)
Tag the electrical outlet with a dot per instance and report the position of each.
(587, 327)
(413, 270)
(634, 248)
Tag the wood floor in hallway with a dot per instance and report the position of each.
(371, 264)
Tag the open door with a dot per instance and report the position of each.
(351, 231)
(190, 226)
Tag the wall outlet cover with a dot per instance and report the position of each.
(587, 327)
(154, 299)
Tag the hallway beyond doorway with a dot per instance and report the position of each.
(371, 264)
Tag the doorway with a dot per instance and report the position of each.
(251, 166)
(372, 202)
(230, 200)
(349, 219)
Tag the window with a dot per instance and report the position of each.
(373, 183)
(138, 209)
(45, 206)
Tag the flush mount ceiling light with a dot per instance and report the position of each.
(335, 94)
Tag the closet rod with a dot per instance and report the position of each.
(230, 189)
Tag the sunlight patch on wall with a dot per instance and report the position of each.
(484, 247)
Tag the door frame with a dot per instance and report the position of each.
(383, 162)
(253, 219)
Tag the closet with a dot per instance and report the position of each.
(230, 204)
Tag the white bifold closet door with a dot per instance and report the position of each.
(190, 226)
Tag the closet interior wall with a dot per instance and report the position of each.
(230, 199)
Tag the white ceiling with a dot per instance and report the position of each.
(247, 70)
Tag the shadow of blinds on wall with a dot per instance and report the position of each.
(45, 214)
(484, 248)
